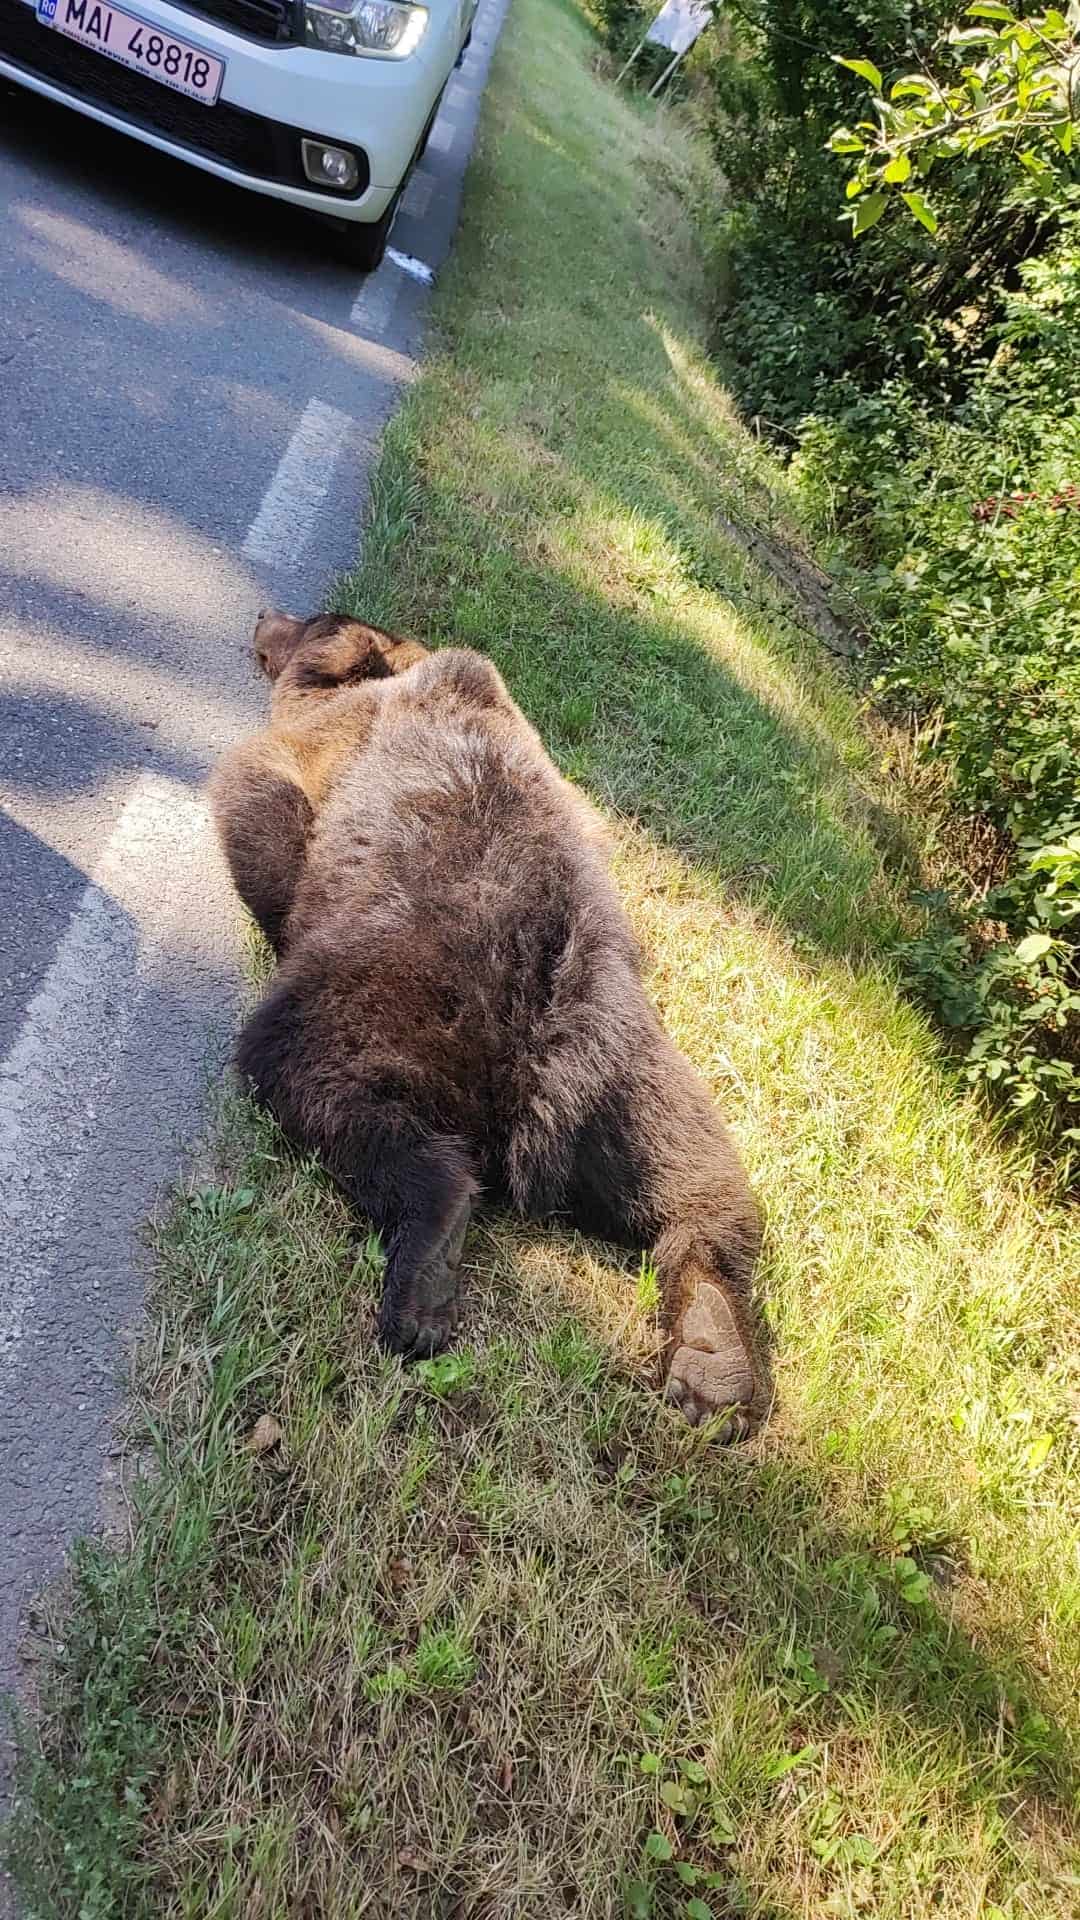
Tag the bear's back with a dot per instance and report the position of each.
(451, 858)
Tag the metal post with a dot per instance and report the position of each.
(668, 71)
(625, 70)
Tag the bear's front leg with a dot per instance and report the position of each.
(263, 819)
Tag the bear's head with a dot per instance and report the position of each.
(327, 651)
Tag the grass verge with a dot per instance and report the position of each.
(498, 1637)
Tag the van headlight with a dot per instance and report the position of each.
(375, 29)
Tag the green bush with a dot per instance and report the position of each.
(622, 22)
(918, 382)
(975, 594)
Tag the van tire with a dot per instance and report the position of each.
(362, 245)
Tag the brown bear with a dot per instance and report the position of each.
(458, 1006)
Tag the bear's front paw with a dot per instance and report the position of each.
(710, 1370)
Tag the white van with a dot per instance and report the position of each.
(326, 103)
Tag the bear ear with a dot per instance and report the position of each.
(398, 654)
(337, 651)
(277, 635)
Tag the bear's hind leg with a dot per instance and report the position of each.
(436, 1188)
(656, 1164)
(416, 1188)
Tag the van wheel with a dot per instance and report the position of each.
(363, 246)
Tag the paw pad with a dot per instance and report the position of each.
(710, 1371)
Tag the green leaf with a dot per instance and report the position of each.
(915, 204)
(869, 211)
(844, 141)
(637, 1898)
(910, 84)
(722, 1832)
(857, 1851)
(680, 1799)
(1063, 134)
(649, 1763)
(915, 1590)
(687, 1874)
(914, 1585)
(693, 1770)
(1038, 1451)
(1033, 948)
(991, 10)
(865, 69)
(898, 169)
(659, 1847)
(697, 1910)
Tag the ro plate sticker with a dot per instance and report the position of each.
(46, 10)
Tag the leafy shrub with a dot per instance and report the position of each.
(975, 592)
(622, 22)
(919, 384)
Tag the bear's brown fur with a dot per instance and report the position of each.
(458, 1004)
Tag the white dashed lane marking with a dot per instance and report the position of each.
(70, 1046)
(373, 309)
(418, 195)
(290, 506)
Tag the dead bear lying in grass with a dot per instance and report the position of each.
(458, 1005)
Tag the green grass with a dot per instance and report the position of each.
(499, 1638)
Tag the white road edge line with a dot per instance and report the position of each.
(286, 518)
(70, 1045)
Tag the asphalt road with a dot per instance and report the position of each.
(190, 396)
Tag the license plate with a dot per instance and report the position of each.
(120, 36)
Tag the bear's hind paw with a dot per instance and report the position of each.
(710, 1372)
